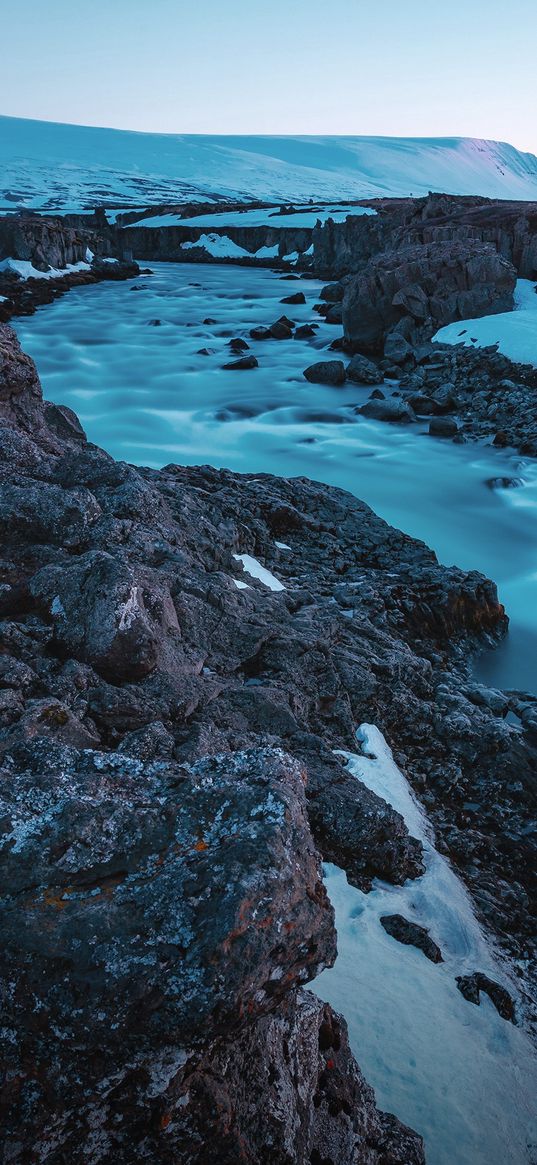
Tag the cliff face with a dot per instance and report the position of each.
(417, 289)
(42, 242)
(168, 778)
(510, 227)
(165, 243)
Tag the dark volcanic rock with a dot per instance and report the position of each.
(412, 935)
(443, 427)
(304, 331)
(326, 372)
(281, 330)
(297, 297)
(363, 371)
(238, 344)
(471, 985)
(260, 333)
(130, 660)
(243, 363)
(427, 286)
(217, 1115)
(391, 409)
(166, 891)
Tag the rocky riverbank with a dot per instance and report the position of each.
(169, 712)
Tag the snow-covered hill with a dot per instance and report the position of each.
(51, 166)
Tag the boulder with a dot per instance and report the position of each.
(332, 292)
(281, 331)
(326, 372)
(391, 409)
(471, 985)
(297, 297)
(334, 315)
(411, 934)
(396, 349)
(443, 427)
(243, 363)
(362, 371)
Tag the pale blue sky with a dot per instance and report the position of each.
(403, 67)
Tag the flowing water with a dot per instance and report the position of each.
(458, 1073)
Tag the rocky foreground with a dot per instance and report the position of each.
(169, 785)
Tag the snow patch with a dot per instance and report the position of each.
(219, 246)
(25, 270)
(515, 332)
(253, 567)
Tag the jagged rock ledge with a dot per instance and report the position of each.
(167, 741)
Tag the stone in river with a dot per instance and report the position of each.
(443, 427)
(298, 297)
(326, 372)
(244, 363)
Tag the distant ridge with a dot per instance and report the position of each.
(50, 166)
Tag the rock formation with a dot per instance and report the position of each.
(415, 290)
(168, 776)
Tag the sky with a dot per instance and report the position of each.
(397, 67)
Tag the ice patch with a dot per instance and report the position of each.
(282, 546)
(253, 567)
(515, 332)
(459, 1074)
(241, 586)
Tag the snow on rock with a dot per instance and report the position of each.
(459, 1074)
(253, 567)
(515, 332)
(25, 270)
(219, 246)
(267, 252)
